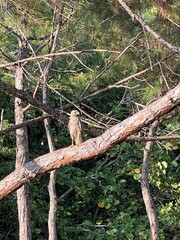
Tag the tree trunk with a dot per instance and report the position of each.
(22, 152)
(148, 201)
(52, 180)
(52, 206)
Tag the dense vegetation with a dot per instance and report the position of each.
(101, 198)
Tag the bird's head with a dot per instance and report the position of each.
(74, 113)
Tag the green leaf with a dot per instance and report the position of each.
(164, 164)
(174, 163)
(137, 176)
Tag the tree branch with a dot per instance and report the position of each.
(27, 98)
(149, 138)
(157, 36)
(24, 124)
(108, 66)
(91, 147)
(48, 56)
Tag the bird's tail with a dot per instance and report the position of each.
(79, 139)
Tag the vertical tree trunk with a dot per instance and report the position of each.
(52, 180)
(22, 152)
(51, 188)
(148, 201)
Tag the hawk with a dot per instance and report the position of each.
(74, 126)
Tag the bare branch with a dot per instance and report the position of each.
(27, 98)
(24, 124)
(157, 138)
(48, 56)
(109, 66)
(1, 122)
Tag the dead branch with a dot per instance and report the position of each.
(92, 147)
(152, 139)
(1, 121)
(24, 124)
(48, 56)
(109, 65)
(27, 98)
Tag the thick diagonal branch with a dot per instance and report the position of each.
(92, 147)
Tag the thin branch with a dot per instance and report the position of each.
(109, 65)
(157, 36)
(5, 55)
(79, 60)
(118, 84)
(65, 194)
(24, 124)
(163, 77)
(27, 98)
(48, 56)
(152, 139)
(10, 30)
(1, 122)
(177, 25)
(148, 48)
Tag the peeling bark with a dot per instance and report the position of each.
(91, 147)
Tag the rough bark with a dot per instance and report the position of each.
(148, 200)
(91, 147)
(22, 153)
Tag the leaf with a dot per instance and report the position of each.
(164, 164)
(137, 176)
(108, 205)
(123, 181)
(99, 221)
(174, 163)
(101, 204)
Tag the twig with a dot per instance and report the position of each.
(65, 194)
(163, 77)
(148, 47)
(79, 60)
(1, 123)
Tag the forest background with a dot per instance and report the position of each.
(108, 59)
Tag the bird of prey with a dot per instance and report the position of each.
(74, 126)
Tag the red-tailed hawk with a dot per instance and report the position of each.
(75, 127)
